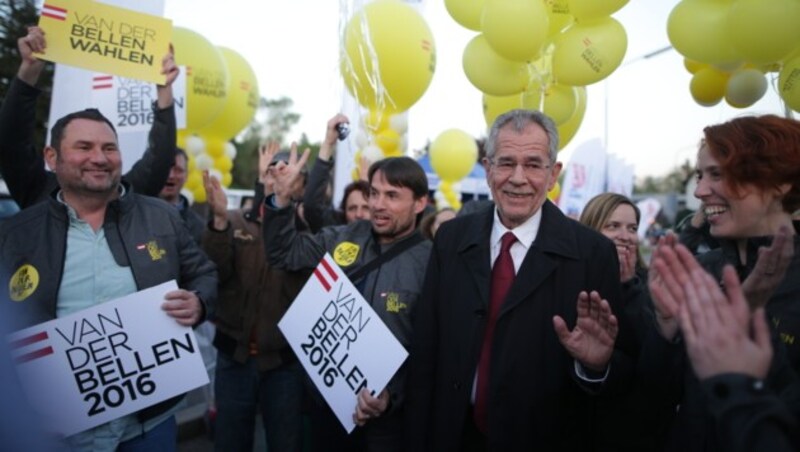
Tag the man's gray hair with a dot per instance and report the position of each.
(520, 118)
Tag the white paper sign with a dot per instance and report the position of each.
(127, 103)
(341, 342)
(101, 363)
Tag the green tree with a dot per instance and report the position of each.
(673, 182)
(15, 18)
(273, 122)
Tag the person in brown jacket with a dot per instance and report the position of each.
(256, 369)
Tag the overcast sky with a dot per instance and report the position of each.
(293, 47)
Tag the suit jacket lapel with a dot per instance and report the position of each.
(474, 250)
(555, 239)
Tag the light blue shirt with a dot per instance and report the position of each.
(91, 276)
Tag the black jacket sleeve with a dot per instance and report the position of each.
(21, 164)
(747, 416)
(317, 212)
(148, 175)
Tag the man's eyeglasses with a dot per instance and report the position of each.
(531, 168)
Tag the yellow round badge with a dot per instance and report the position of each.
(23, 282)
(345, 253)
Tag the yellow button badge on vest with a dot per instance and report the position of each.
(23, 282)
(345, 253)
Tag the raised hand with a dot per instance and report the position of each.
(664, 280)
(770, 269)
(287, 176)
(627, 262)
(331, 135)
(266, 153)
(217, 201)
(170, 70)
(31, 67)
(591, 342)
(718, 340)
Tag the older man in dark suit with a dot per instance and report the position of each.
(504, 357)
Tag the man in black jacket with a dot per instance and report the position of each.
(22, 165)
(94, 240)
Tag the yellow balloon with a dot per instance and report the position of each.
(466, 13)
(453, 154)
(568, 130)
(491, 73)
(191, 165)
(745, 87)
(494, 106)
(589, 51)
(215, 147)
(593, 9)
(560, 18)
(223, 163)
(446, 187)
(388, 140)
(789, 82)
(182, 135)
(764, 31)
(227, 179)
(560, 102)
(515, 29)
(206, 76)
(693, 66)
(404, 56)
(193, 180)
(199, 194)
(555, 192)
(698, 30)
(708, 86)
(376, 120)
(242, 97)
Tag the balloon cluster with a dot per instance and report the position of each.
(387, 62)
(221, 100)
(540, 54)
(729, 46)
(452, 154)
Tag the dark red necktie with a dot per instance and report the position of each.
(502, 277)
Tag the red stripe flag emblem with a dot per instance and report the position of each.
(326, 274)
(54, 12)
(39, 350)
(102, 82)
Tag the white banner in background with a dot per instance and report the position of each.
(127, 103)
(620, 176)
(584, 178)
(649, 207)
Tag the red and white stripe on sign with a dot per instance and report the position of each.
(38, 351)
(244, 86)
(54, 12)
(325, 274)
(102, 81)
(426, 45)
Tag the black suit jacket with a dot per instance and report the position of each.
(535, 400)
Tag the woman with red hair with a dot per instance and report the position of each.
(748, 179)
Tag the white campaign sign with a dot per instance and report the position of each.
(101, 363)
(341, 342)
(127, 102)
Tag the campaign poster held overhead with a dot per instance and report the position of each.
(104, 38)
